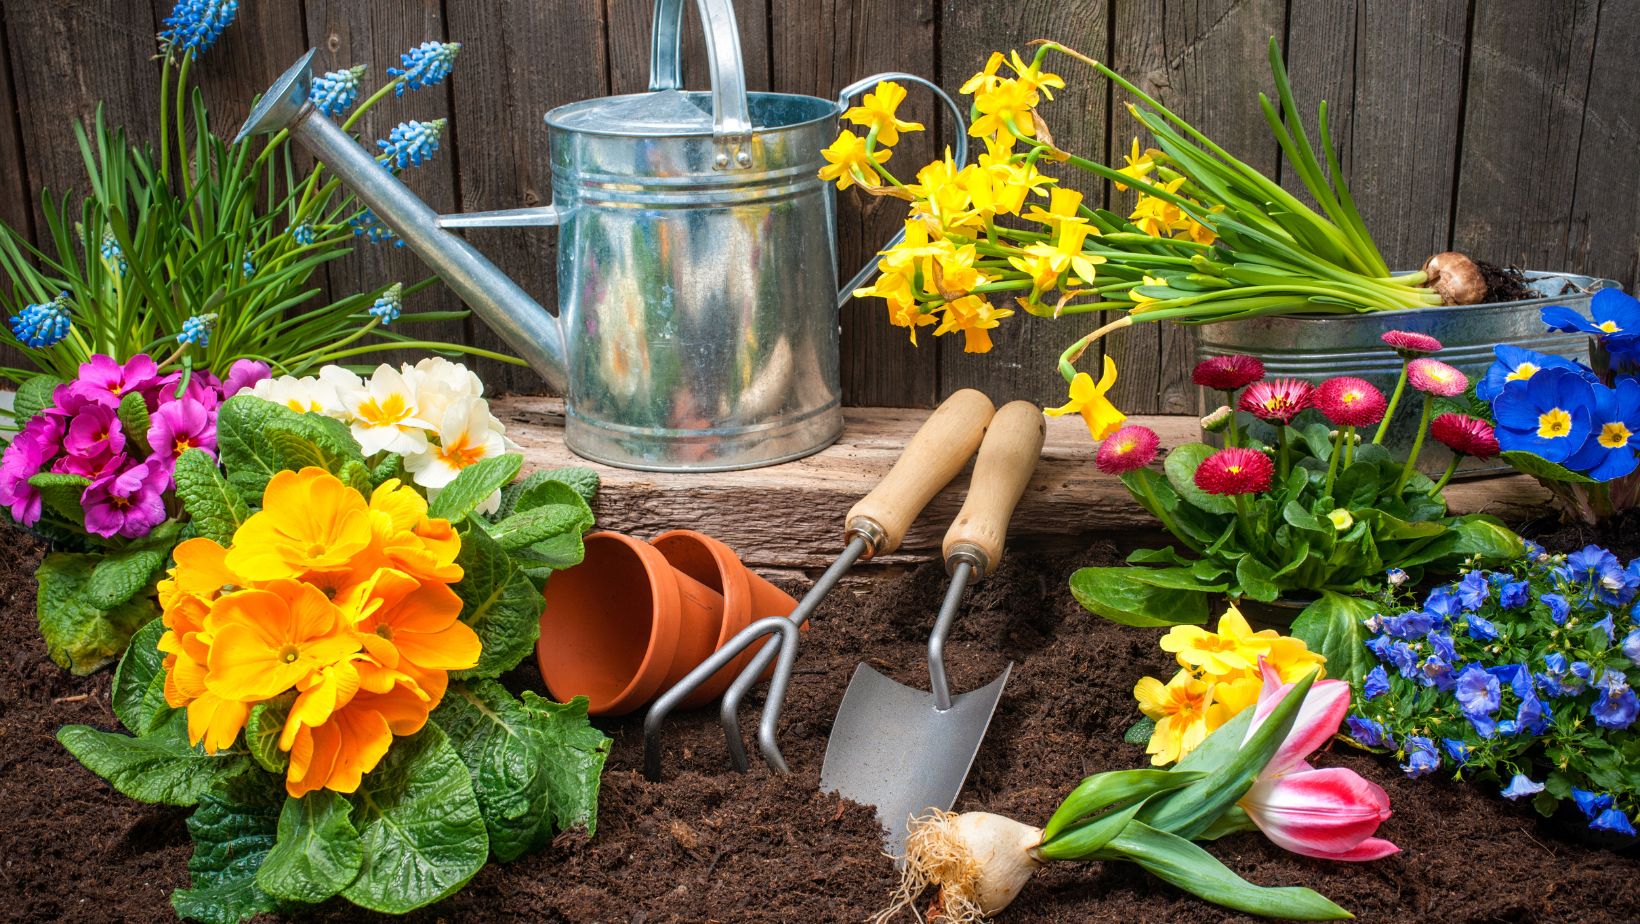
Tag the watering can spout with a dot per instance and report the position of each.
(519, 319)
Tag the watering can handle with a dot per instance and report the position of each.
(961, 153)
(731, 113)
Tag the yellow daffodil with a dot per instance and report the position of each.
(876, 113)
(1032, 76)
(976, 318)
(1141, 301)
(1158, 217)
(1062, 209)
(1045, 263)
(952, 270)
(1180, 709)
(987, 78)
(1009, 103)
(1139, 165)
(848, 162)
(1088, 399)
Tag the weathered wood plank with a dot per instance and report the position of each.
(1604, 225)
(265, 38)
(16, 195)
(1023, 361)
(820, 47)
(512, 72)
(630, 24)
(1068, 502)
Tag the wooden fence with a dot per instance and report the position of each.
(1509, 129)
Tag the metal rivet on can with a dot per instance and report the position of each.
(721, 160)
(743, 158)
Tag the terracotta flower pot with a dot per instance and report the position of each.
(624, 625)
(747, 597)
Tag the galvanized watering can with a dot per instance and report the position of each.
(697, 270)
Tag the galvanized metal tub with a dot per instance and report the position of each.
(1318, 347)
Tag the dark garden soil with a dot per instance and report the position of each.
(711, 845)
(1504, 283)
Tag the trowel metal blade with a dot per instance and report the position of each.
(891, 748)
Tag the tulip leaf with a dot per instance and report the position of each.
(1181, 465)
(157, 767)
(33, 396)
(1143, 596)
(419, 825)
(214, 506)
(498, 602)
(1332, 627)
(233, 829)
(1084, 839)
(80, 635)
(1115, 787)
(142, 665)
(474, 485)
(318, 852)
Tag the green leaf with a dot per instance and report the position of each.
(1116, 787)
(293, 452)
(158, 767)
(120, 576)
(80, 636)
(1163, 556)
(391, 466)
(61, 493)
(584, 481)
(1256, 580)
(33, 396)
(233, 830)
(474, 485)
(419, 825)
(242, 445)
(1139, 732)
(215, 507)
(1087, 837)
(1123, 595)
(356, 475)
(498, 602)
(262, 730)
(576, 760)
(133, 414)
(526, 493)
(1529, 463)
(1181, 465)
(318, 852)
(565, 513)
(1331, 627)
(1486, 537)
(1183, 864)
(142, 665)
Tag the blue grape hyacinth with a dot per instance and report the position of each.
(247, 264)
(390, 305)
(195, 25)
(411, 143)
(112, 255)
(334, 92)
(196, 330)
(368, 225)
(302, 234)
(43, 325)
(425, 65)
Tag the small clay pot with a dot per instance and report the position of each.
(623, 625)
(747, 597)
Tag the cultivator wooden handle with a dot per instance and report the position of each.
(938, 451)
(1007, 459)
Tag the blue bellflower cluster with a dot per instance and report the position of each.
(43, 325)
(1504, 673)
(334, 92)
(425, 65)
(390, 305)
(410, 144)
(195, 25)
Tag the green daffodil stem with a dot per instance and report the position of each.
(1337, 450)
(1394, 401)
(1417, 444)
(1446, 476)
(1067, 359)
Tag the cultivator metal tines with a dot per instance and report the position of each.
(874, 526)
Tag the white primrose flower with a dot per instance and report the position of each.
(466, 435)
(382, 410)
(440, 384)
(303, 395)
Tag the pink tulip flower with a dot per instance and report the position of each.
(1330, 813)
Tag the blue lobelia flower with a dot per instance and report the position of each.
(1631, 646)
(1369, 733)
(411, 143)
(1613, 821)
(1421, 758)
(43, 325)
(1521, 786)
(1617, 706)
(425, 65)
(1410, 626)
(1512, 595)
(1472, 590)
(1591, 803)
(1548, 414)
(195, 25)
(1480, 694)
(1481, 629)
(333, 92)
(1514, 364)
(1457, 750)
(1614, 439)
(1559, 609)
(196, 330)
(1376, 683)
(1616, 321)
(390, 305)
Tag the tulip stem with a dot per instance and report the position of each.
(1446, 476)
(1394, 401)
(1417, 444)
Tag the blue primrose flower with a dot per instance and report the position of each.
(411, 143)
(1395, 577)
(1376, 683)
(333, 92)
(1610, 451)
(196, 330)
(1514, 364)
(1480, 695)
(195, 25)
(1421, 758)
(1515, 676)
(1617, 706)
(1520, 787)
(390, 305)
(1548, 414)
(43, 325)
(1616, 321)
(425, 65)
(1369, 733)
(1613, 821)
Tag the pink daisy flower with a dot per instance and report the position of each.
(1350, 402)
(1228, 373)
(1276, 400)
(1465, 435)
(1410, 343)
(1235, 471)
(1129, 448)
(1436, 378)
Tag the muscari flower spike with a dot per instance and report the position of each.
(112, 255)
(247, 264)
(43, 325)
(425, 65)
(390, 305)
(196, 330)
(368, 225)
(334, 92)
(302, 234)
(411, 143)
(195, 25)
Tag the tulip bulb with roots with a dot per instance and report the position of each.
(978, 860)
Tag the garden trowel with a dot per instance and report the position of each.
(904, 750)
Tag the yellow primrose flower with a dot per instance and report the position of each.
(848, 162)
(975, 317)
(1139, 165)
(877, 113)
(1180, 709)
(1088, 399)
(1234, 648)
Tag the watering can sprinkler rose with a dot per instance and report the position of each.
(697, 292)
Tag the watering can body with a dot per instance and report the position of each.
(697, 323)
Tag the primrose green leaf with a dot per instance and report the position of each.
(135, 675)
(294, 452)
(1187, 866)
(419, 825)
(80, 636)
(33, 396)
(564, 513)
(133, 414)
(318, 852)
(576, 758)
(391, 466)
(262, 730)
(1181, 465)
(215, 507)
(247, 454)
(60, 493)
(1139, 732)
(583, 481)
(498, 602)
(474, 485)
(158, 767)
(356, 475)
(122, 575)
(1331, 627)
(1530, 463)
(1116, 787)
(233, 829)
(1120, 595)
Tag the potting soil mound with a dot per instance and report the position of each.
(711, 845)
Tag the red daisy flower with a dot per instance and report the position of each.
(1235, 471)
(1127, 449)
(1409, 343)
(1228, 373)
(1436, 378)
(1465, 435)
(1350, 402)
(1277, 400)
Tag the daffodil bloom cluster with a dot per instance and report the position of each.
(433, 414)
(1218, 677)
(330, 606)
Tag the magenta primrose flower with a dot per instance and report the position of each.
(39, 440)
(128, 503)
(104, 381)
(95, 433)
(179, 426)
(244, 374)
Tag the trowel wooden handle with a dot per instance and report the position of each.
(1007, 459)
(937, 452)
